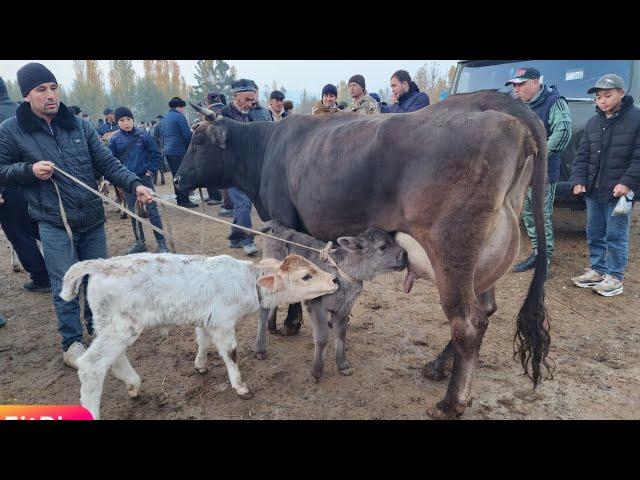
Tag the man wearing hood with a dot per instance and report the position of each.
(45, 135)
(405, 95)
(19, 228)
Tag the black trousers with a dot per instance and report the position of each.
(22, 232)
(174, 163)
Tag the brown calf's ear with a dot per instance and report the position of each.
(353, 244)
(220, 133)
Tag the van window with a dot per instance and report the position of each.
(572, 77)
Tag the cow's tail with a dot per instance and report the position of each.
(74, 276)
(532, 339)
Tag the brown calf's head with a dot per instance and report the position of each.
(296, 279)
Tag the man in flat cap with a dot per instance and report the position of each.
(239, 109)
(606, 168)
(276, 106)
(362, 101)
(553, 110)
(44, 135)
(109, 125)
(176, 136)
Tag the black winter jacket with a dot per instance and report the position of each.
(72, 144)
(7, 108)
(610, 146)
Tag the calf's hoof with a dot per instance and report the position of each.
(434, 371)
(443, 411)
(133, 390)
(316, 374)
(201, 368)
(15, 268)
(261, 355)
(289, 330)
(346, 371)
(246, 395)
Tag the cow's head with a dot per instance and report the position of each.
(294, 280)
(208, 161)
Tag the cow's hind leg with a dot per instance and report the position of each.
(441, 367)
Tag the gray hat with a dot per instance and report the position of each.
(607, 82)
(243, 85)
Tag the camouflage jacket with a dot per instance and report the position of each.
(366, 106)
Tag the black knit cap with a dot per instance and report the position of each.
(33, 74)
(75, 109)
(107, 111)
(329, 89)
(359, 79)
(123, 112)
(176, 102)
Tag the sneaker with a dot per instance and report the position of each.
(72, 354)
(2, 321)
(608, 287)
(235, 245)
(137, 247)
(251, 249)
(211, 201)
(162, 247)
(34, 287)
(587, 279)
(527, 264)
(188, 204)
(225, 212)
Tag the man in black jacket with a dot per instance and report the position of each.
(19, 228)
(606, 168)
(45, 134)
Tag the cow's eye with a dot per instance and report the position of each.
(306, 277)
(382, 247)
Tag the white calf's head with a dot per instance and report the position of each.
(294, 280)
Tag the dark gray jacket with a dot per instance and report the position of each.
(72, 144)
(609, 152)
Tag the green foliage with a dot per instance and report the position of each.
(13, 90)
(122, 83)
(307, 101)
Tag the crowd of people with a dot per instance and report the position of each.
(42, 133)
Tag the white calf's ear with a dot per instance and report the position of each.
(271, 283)
(270, 263)
(353, 244)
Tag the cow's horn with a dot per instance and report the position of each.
(208, 114)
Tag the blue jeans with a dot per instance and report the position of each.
(241, 216)
(58, 258)
(152, 210)
(607, 237)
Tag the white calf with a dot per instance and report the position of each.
(127, 294)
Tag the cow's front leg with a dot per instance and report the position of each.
(293, 321)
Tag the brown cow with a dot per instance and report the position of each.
(450, 179)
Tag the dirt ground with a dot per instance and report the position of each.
(595, 345)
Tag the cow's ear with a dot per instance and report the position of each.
(220, 132)
(353, 244)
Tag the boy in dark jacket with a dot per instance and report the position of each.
(139, 153)
(606, 168)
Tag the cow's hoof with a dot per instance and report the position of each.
(261, 355)
(346, 371)
(434, 371)
(246, 396)
(289, 330)
(15, 268)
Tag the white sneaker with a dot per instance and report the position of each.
(587, 279)
(251, 249)
(72, 354)
(609, 287)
